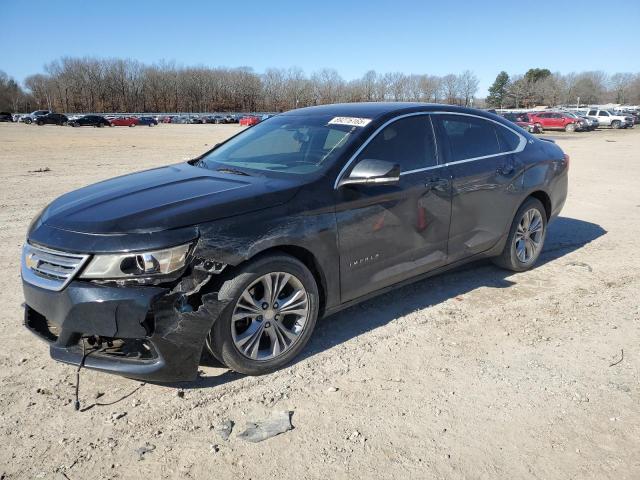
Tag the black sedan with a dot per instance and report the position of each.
(149, 121)
(239, 251)
(6, 117)
(90, 121)
(52, 119)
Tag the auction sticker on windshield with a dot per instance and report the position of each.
(351, 121)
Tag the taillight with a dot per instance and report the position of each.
(566, 160)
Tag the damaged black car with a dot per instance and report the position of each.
(238, 252)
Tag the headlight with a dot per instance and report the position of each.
(137, 264)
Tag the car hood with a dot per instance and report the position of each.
(164, 198)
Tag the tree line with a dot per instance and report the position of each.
(122, 85)
(539, 86)
(89, 84)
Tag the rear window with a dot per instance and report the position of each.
(470, 137)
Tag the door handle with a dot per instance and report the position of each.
(436, 184)
(505, 169)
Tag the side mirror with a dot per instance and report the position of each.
(373, 172)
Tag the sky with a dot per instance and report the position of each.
(434, 37)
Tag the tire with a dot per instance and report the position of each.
(615, 124)
(74, 124)
(132, 125)
(228, 335)
(28, 121)
(64, 124)
(570, 127)
(511, 258)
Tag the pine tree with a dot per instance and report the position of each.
(498, 91)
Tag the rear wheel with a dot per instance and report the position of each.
(616, 124)
(272, 311)
(526, 237)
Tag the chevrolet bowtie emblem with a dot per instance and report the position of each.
(31, 261)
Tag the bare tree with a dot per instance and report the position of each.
(468, 84)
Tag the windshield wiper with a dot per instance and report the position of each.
(232, 171)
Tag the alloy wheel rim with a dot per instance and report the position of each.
(528, 237)
(270, 316)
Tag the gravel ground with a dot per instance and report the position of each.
(479, 373)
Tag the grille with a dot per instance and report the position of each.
(50, 269)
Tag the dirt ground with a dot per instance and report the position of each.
(476, 374)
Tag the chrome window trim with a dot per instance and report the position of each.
(521, 145)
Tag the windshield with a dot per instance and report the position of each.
(290, 144)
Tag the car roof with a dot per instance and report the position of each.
(374, 110)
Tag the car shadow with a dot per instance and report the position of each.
(564, 236)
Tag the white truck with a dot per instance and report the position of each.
(607, 118)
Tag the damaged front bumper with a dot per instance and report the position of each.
(150, 333)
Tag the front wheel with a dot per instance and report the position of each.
(526, 237)
(272, 311)
(570, 127)
(616, 124)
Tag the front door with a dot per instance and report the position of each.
(389, 233)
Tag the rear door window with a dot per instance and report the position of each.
(470, 137)
(509, 141)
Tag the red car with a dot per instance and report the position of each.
(124, 122)
(523, 121)
(556, 121)
(249, 120)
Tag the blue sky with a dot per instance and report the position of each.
(436, 37)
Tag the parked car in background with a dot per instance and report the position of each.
(229, 119)
(557, 121)
(162, 264)
(34, 115)
(149, 121)
(585, 123)
(89, 121)
(523, 121)
(610, 119)
(6, 117)
(167, 119)
(592, 123)
(180, 119)
(52, 119)
(123, 121)
(249, 120)
(629, 113)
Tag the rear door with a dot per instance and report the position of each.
(389, 233)
(486, 175)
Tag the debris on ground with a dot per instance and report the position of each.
(143, 450)
(580, 264)
(117, 415)
(224, 429)
(618, 361)
(40, 170)
(279, 422)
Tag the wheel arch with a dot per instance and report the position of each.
(544, 198)
(308, 259)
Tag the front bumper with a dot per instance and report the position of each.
(157, 340)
